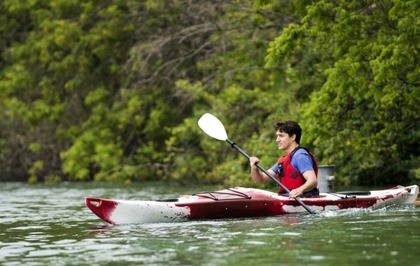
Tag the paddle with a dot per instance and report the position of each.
(215, 129)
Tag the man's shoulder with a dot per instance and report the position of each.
(302, 160)
(301, 151)
(301, 155)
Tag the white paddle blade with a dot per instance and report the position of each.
(212, 127)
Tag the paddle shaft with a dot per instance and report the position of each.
(236, 147)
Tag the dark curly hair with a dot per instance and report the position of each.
(289, 127)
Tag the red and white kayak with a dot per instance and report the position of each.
(241, 202)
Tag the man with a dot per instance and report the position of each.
(298, 170)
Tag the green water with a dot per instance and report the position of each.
(50, 225)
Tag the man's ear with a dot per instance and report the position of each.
(293, 137)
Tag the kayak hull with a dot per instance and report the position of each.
(240, 202)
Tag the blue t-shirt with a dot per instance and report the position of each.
(301, 161)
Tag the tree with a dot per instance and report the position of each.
(60, 76)
(237, 88)
(364, 116)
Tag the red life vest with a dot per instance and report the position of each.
(288, 175)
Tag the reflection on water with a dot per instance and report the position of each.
(49, 225)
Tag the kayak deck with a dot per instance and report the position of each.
(241, 202)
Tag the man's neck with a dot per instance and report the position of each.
(292, 147)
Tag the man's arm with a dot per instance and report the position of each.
(257, 175)
(311, 183)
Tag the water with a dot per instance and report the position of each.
(50, 225)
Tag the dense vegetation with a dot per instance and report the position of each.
(112, 90)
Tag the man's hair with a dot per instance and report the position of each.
(289, 127)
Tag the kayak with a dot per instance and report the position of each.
(240, 202)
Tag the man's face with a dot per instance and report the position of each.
(284, 141)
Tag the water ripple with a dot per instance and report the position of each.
(49, 225)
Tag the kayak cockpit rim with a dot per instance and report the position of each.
(232, 192)
(215, 195)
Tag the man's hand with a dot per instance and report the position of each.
(253, 162)
(294, 193)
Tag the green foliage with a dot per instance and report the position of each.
(71, 49)
(34, 170)
(112, 91)
(364, 111)
(247, 98)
